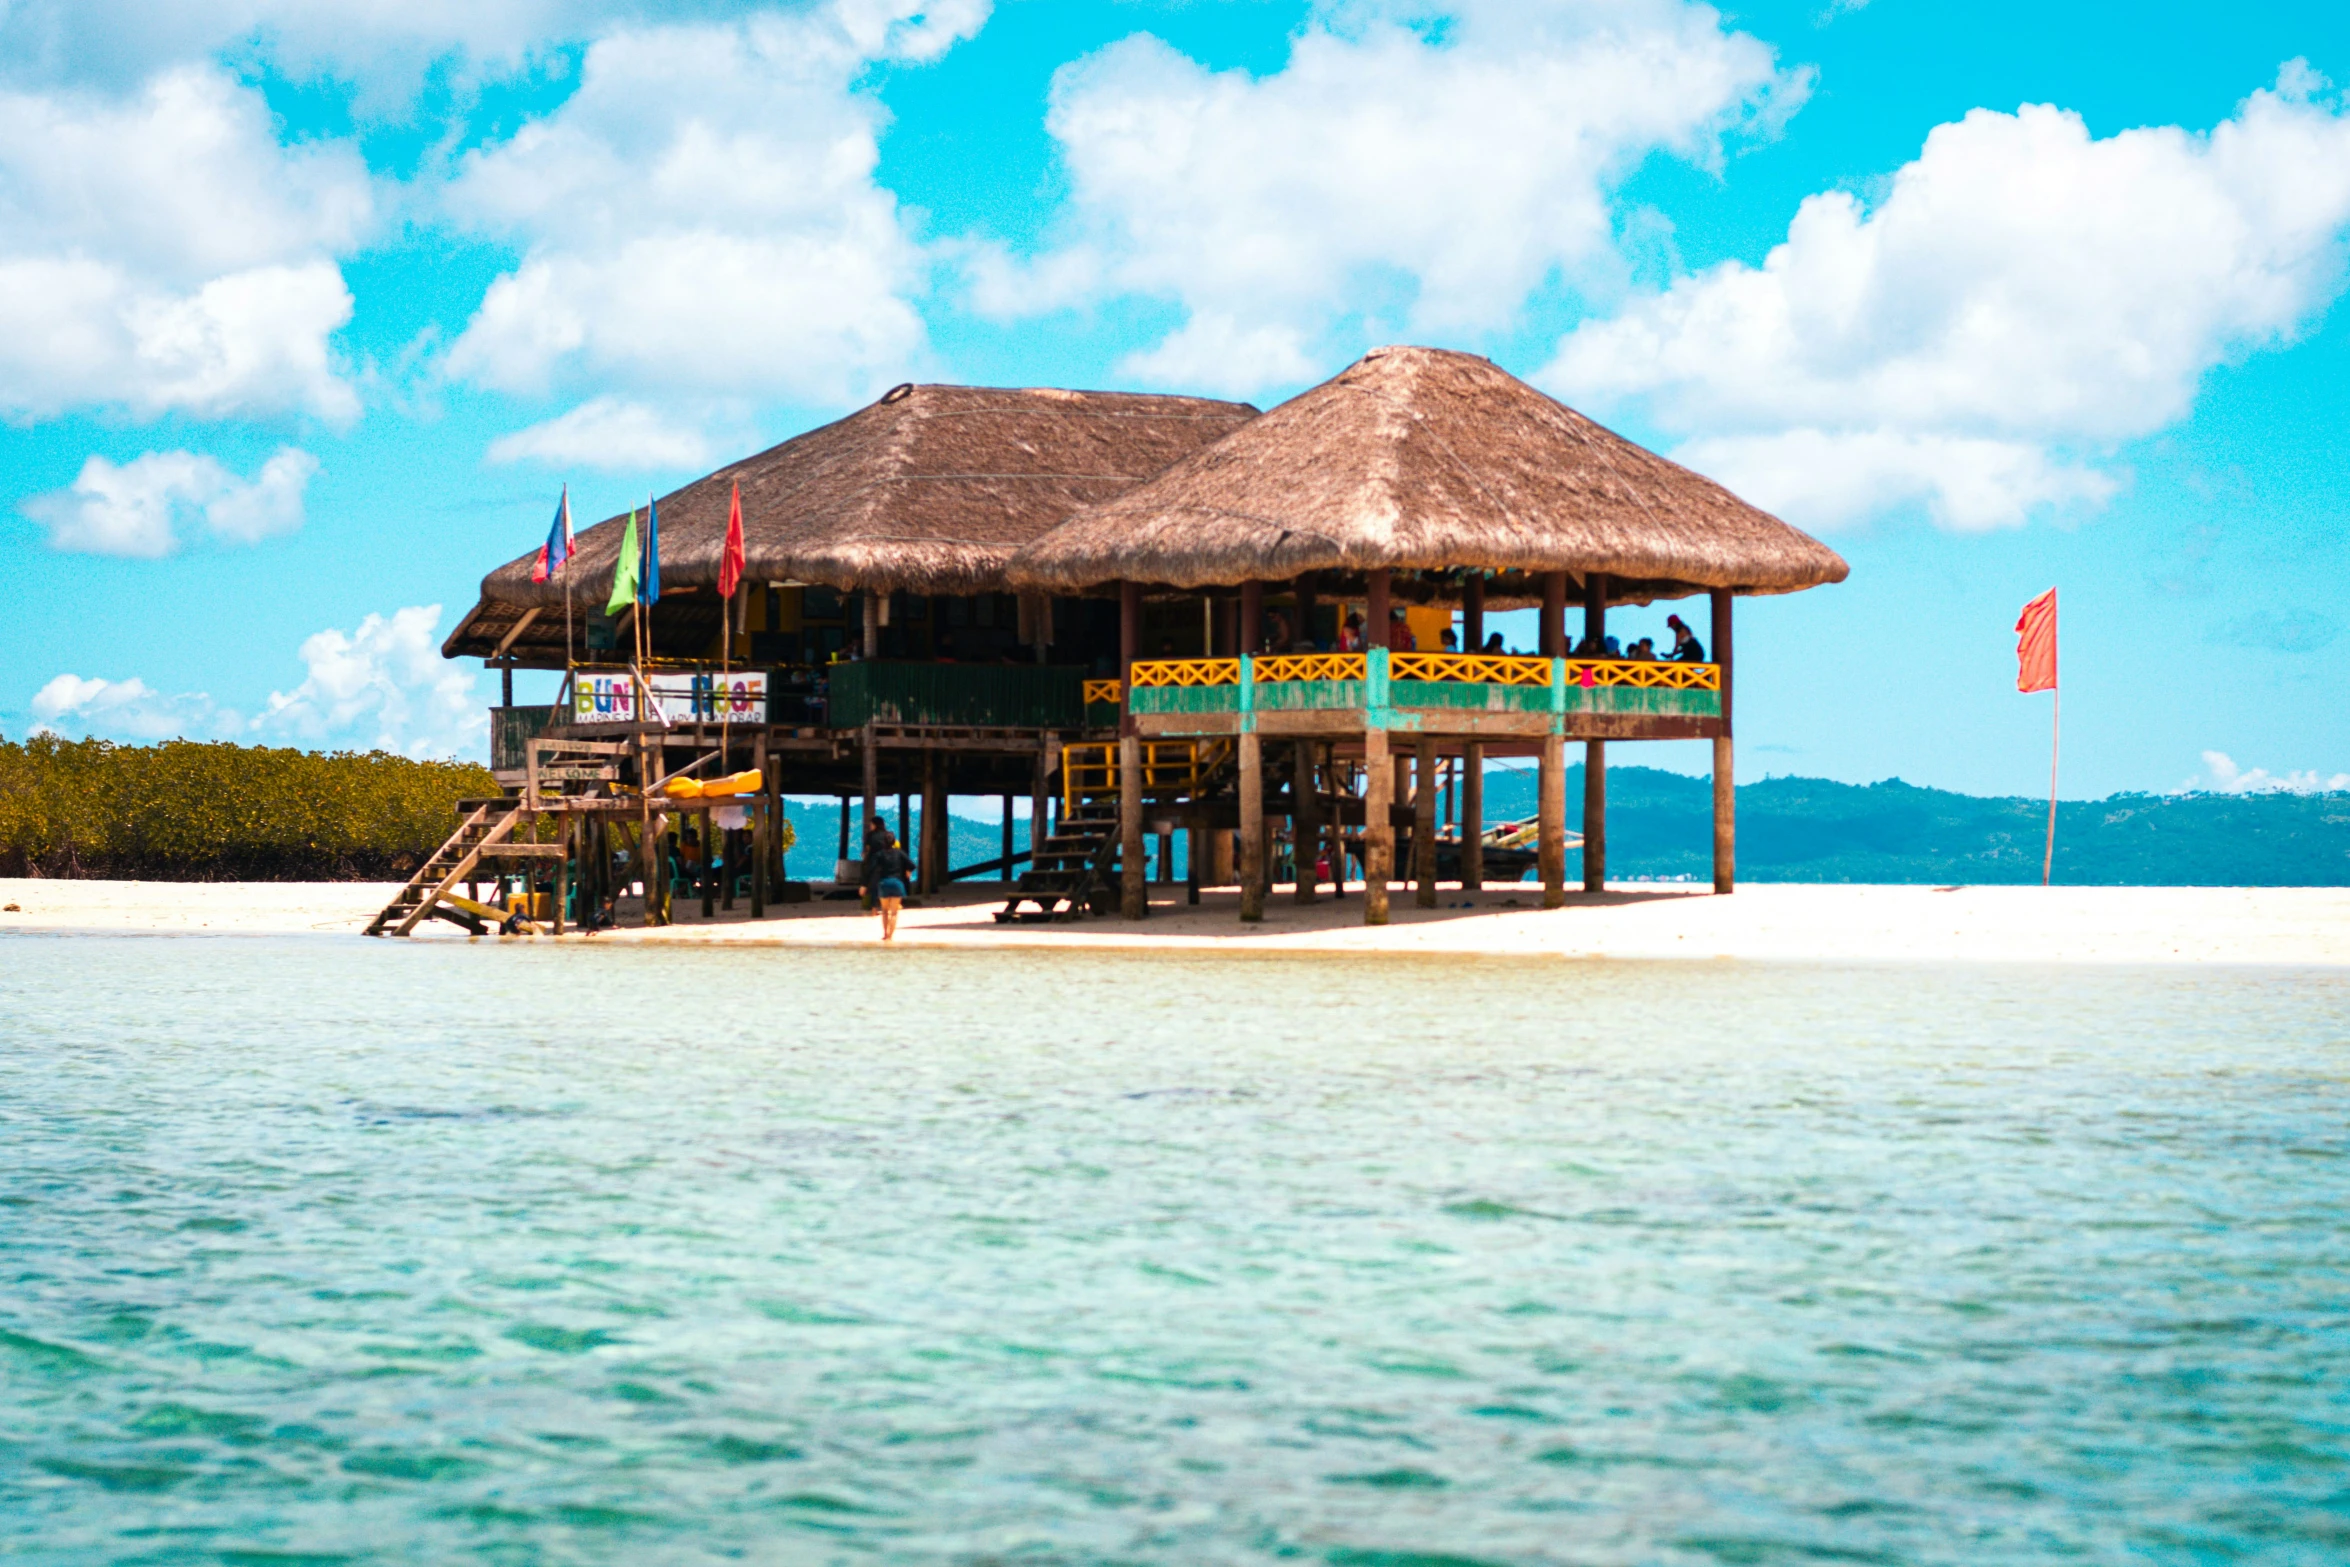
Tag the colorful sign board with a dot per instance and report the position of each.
(738, 697)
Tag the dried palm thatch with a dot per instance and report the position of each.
(1424, 460)
(929, 490)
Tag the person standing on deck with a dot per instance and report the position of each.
(1686, 648)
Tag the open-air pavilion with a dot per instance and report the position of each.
(1430, 478)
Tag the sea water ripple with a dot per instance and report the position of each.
(338, 1251)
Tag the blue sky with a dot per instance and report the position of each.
(308, 307)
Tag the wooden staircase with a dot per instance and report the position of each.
(485, 833)
(1069, 868)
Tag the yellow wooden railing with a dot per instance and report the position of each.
(1499, 669)
(1589, 672)
(1090, 768)
(1308, 666)
(1186, 672)
(1111, 691)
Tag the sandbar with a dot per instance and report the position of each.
(1771, 922)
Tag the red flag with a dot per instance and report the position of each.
(2035, 645)
(730, 564)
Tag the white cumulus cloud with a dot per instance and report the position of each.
(163, 252)
(76, 705)
(2223, 776)
(383, 686)
(137, 508)
(702, 214)
(605, 432)
(1429, 170)
(2023, 298)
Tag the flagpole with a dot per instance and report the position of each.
(2055, 732)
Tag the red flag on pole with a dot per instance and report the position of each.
(2035, 670)
(2035, 645)
(730, 564)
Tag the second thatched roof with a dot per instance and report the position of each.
(929, 490)
(1422, 459)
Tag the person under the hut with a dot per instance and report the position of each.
(1350, 635)
(1494, 644)
(890, 870)
(1686, 648)
(1449, 642)
(1642, 652)
(1399, 633)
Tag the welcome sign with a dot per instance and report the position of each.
(739, 697)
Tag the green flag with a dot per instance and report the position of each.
(624, 571)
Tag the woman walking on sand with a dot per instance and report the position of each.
(889, 871)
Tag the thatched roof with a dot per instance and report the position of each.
(928, 490)
(1421, 459)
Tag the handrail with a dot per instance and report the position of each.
(1669, 674)
(1111, 691)
(1186, 672)
(1090, 767)
(1500, 669)
(1308, 666)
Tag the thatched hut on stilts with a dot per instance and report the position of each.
(1417, 477)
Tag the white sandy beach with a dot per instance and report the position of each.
(1770, 922)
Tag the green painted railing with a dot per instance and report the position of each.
(1006, 696)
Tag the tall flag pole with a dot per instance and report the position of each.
(2035, 670)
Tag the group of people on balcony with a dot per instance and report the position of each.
(1401, 639)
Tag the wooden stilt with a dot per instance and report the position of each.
(1195, 847)
(763, 834)
(1554, 614)
(906, 809)
(1306, 833)
(1252, 617)
(1595, 816)
(1725, 784)
(1333, 829)
(1004, 870)
(1424, 822)
(709, 874)
(1133, 892)
(567, 839)
(1378, 825)
(1472, 817)
(872, 761)
(1551, 821)
(647, 849)
(934, 824)
(1252, 826)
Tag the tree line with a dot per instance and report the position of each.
(189, 810)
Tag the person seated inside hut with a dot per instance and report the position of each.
(1494, 645)
(1399, 633)
(1686, 648)
(1642, 652)
(1448, 642)
(1350, 635)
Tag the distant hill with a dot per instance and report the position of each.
(1810, 830)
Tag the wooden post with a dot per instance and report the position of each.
(1333, 829)
(763, 827)
(1195, 849)
(1166, 856)
(1424, 822)
(1551, 821)
(1252, 618)
(1223, 853)
(872, 761)
(1725, 783)
(709, 876)
(1133, 892)
(1038, 802)
(1554, 614)
(934, 824)
(872, 625)
(1004, 871)
(565, 842)
(1306, 819)
(648, 773)
(1473, 817)
(1375, 612)
(1595, 751)
(1252, 826)
(844, 829)
(1378, 823)
(1305, 610)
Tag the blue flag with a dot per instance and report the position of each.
(649, 584)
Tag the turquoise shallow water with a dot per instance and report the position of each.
(329, 1250)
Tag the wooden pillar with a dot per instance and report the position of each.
(1424, 822)
(1375, 611)
(647, 849)
(1554, 614)
(1252, 618)
(1133, 893)
(1551, 821)
(1473, 613)
(1305, 610)
(506, 682)
(1333, 829)
(1472, 817)
(1195, 850)
(934, 823)
(1252, 826)
(872, 763)
(1725, 783)
(764, 836)
(1166, 856)
(1595, 751)
(1004, 870)
(1223, 856)
(566, 840)
(1378, 824)
(709, 876)
(905, 809)
(1306, 821)
(1038, 802)
(844, 829)
(1595, 816)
